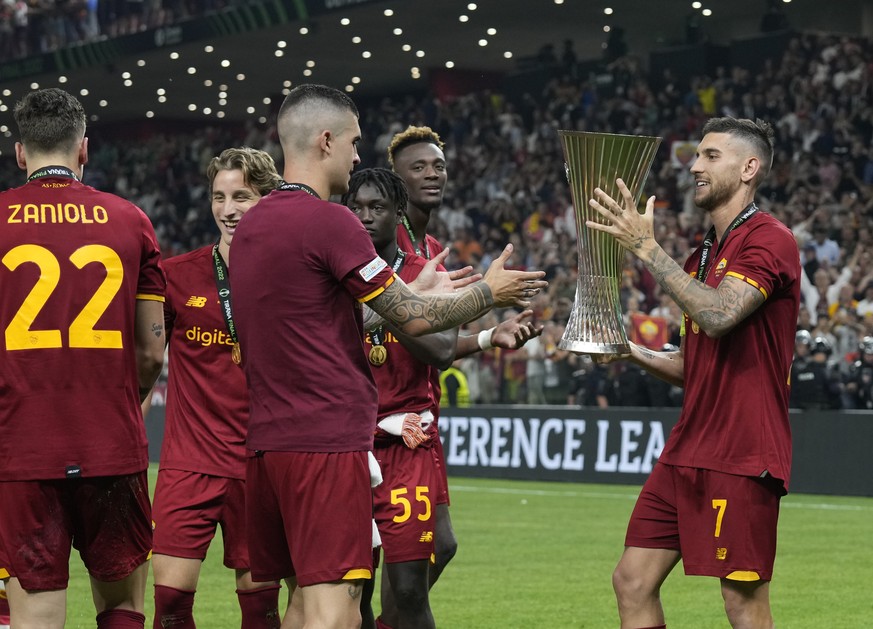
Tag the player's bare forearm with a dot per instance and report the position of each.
(715, 310)
(423, 314)
(436, 350)
(668, 366)
(150, 341)
(468, 344)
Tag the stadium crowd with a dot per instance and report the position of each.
(32, 27)
(507, 183)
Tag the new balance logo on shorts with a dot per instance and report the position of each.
(426, 537)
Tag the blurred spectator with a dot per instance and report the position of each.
(858, 385)
(559, 366)
(455, 392)
(590, 382)
(865, 306)
(826, 249)
(815, 384)
(628, 385)
(534, 351)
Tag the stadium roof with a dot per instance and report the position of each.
(233, 65)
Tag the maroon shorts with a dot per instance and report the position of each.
(107, 519)
(723, 525)
(441, 491)
(309, 515)
(188, 507)
(403, 503)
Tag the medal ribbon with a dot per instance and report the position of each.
(709, 239)
(422, 251)
(375, 336)
(53, 171)
(222, 283)
(291, 187)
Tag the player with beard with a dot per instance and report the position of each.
(713, 498)
(416, 154)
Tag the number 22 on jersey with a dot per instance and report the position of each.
(20, 336)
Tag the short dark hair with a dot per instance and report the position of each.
(50, 120)
(412, 135)
(314, 91)
(257, 167)
(758, 133)
(389, 183)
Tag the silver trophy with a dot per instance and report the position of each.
(596, 160)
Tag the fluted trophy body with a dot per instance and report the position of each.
(596, 160)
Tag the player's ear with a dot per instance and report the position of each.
(83, 152)
(20, 156)
(324, 140)
(750, 168)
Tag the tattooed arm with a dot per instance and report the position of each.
(150, 340)
(372, 320)
(415, 314)
(668, 366)
(716, 310)
(430, 281)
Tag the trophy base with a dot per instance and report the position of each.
(584, 347)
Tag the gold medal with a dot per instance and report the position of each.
(378, 355)
(694, 327)
(235, 354)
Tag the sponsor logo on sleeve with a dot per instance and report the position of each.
(371, 269)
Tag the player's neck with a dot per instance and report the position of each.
(34, 166)
(418, 220)
(389, 252)
(319, 182)
(224, 251)
(723, 216)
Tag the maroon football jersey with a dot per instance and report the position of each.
(74, 263)
(432, 246)
(405, 384)
(207, 399)
(300, 269)
(735, 415)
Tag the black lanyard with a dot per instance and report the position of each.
(222, 283)
(422, 251)
(53, 171)
(378, 354)
(709, 240)
(291, 187)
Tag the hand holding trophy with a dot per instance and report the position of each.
(597, 160)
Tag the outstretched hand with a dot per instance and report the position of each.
(515, 331)
(432, 281)
(634, 231)
(512, 288)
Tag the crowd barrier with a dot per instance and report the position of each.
(620, 445)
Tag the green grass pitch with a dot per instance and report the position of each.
(541, 555)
